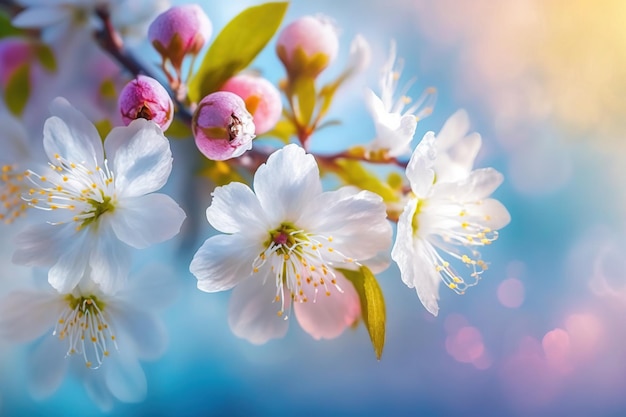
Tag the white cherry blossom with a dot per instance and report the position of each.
(395, 119)
(99, 338)
(444, 223)
(281, 244)
(97, 206)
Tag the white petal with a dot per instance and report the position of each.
(69, 269)
(141, 156)
(416, 270)
(465, 151)
(223, 261)
(374, 105)
(26, 315)
(40, 17)
(253, 313)
(356, 220)
(490, 213)
(109, 260)
(286, 183)
(454, 129)
(125, 379)
(41, 244)
(235, 208)
(360, 56)
(69, 134)
(15, 146)
(97, 390)
(419, 170)
(47, 367)
(145, 220)
(479, 184)
(326, 317)
(142, 332)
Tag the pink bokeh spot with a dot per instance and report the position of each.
(511, 293)
(586, 333)
(466, 345)
(556, 347)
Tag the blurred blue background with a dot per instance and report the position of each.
(544, 83)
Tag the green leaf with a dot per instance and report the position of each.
(236, 46)
(46, 57)
(354, 173)
(18, 90)
(6, 28)
(178, 130)
(372, 305)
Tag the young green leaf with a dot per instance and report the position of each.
(354, 173)
(236, 46)
(372, 305)
(18, 90)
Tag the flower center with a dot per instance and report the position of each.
(86, 329)
(11, 187)
(74, 187)
(300, 262)
(460, 235)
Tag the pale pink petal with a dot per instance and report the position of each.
(327, 316)
(253, 311)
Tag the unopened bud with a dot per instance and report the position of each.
(307, 46)
(222, 126)
(262, 99)
(146, 98)
(180, 31)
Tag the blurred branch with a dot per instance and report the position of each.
(109, 40)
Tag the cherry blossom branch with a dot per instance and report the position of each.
(110, 41)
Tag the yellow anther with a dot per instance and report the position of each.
(452, 285)
(465, 225)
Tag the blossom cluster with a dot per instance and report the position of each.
(82, 190)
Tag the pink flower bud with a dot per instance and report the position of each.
(14, 53)
(307, 46)
(179, 31)
(145, 98)
(222, 126)
(261, 97)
